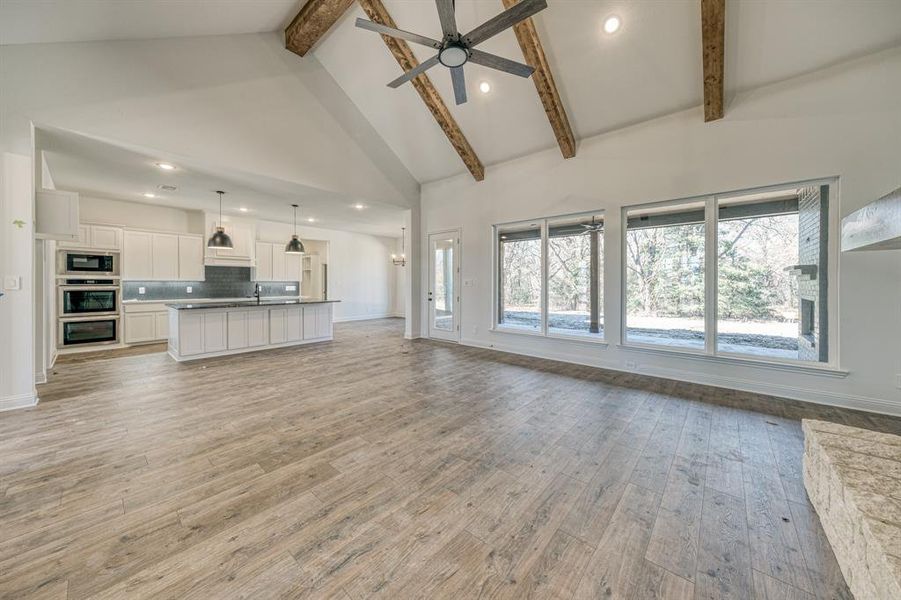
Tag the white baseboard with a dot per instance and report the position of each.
(364, 317)
(40, 377)
(18, 401)
(811, 396)
(411, 337)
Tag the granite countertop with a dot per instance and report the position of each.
(242, 304)
(205, 300)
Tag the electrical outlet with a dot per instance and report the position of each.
(189, 289)
(290, 288)
(12, 282)
(142, 290)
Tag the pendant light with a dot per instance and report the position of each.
(401, 261)
(220, 239)
(295, 246)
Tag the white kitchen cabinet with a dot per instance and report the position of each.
(324, 321)
(317, 321)
(264, 262)
(140, 328)
(56, 216)
(106, 237)
(242, 234)
(278, 318)
(237, 330)
(164, 256)
(190, 258)
(294, 324)
(137, 255)
(215, 331)
(190, 333)
(278, 262)
(257, 328)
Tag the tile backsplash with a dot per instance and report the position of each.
(221, 282)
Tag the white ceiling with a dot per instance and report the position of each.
(649, 68)
(44, 21)
(96, 168)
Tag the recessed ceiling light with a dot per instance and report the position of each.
(484, 87)
(243, 209)
(359, 206)
(165, 166)
(612, 24)
(311, 220)
(166, 188)
(149, 195)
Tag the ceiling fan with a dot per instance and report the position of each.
(455, 50)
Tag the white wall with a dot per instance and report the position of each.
(240, 101)
(138, 215)
(17, 354)
(844, 121)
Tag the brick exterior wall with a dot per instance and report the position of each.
(812, 247)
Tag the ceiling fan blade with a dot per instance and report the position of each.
(500, 63)
(447, 17)
(510, 17)
(398, 33)
(459, 82)
(418, 69)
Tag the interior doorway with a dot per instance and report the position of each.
(444, 285)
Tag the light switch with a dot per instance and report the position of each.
(469, 282)
(12, 282)
(142, 290)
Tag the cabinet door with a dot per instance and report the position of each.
(257, 328)
(139, 328)
(161, 329)
(237, 330)
(165, 256)
(190, 258)
(105, 237)
(264, 262)
(242, 236)
(137, 255)
(324, 321)
(277, 323)
(278, 263)
(309, 322)
(215, 334)
(190, 332)
(294, 324)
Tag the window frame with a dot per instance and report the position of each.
(544, 223)
(711, 282)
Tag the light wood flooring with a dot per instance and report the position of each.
(374, 467)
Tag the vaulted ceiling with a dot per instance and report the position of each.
(650, 67)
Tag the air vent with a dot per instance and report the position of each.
(167, 188)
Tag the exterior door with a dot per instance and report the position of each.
(444, 285)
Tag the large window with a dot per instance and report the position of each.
(665, 274)
(742, 274)
(550, 276)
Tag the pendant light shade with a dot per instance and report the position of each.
(220, 239)
(295, 246)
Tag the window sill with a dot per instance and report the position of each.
(550, 336)
(825, 371)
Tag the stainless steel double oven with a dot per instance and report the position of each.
(88, 298)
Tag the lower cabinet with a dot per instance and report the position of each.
(317, 321)
(215, 331)
(286, 325)
(146, 323)
(257, 328)
(237, 330)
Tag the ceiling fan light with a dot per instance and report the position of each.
(453, 56)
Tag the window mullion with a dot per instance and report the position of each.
(711, 242)
(544, 276)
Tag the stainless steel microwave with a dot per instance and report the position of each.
(87, 262)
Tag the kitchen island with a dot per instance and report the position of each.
(202, 330)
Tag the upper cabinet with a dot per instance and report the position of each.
(97, 237)
(56, 215)
(242, 234)
(149, 256)
(273, 264)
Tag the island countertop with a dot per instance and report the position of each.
(243, 304)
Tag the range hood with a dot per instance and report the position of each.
(876, 226)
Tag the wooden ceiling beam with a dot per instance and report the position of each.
(312, 23)
(533, 52)
(713, 28)
(377, 12)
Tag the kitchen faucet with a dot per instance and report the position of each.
(256, 291)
